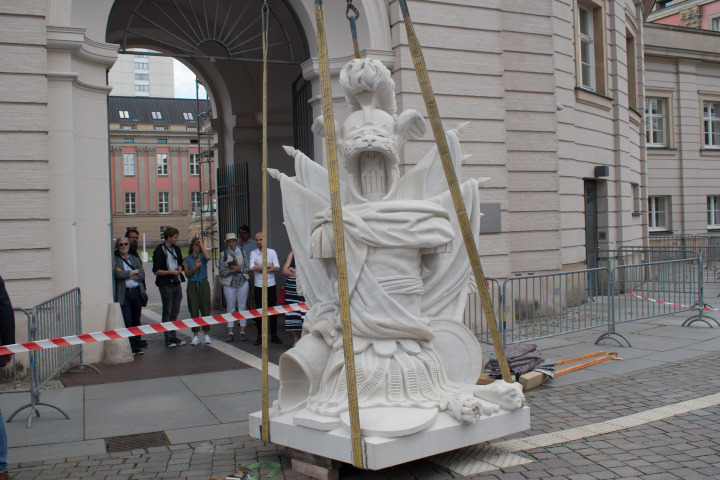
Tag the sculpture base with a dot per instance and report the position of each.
(445, 435)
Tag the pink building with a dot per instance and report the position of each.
(155, 167)
(703, 14)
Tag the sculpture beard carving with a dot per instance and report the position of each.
(371, 156)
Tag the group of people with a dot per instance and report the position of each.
(240, 258)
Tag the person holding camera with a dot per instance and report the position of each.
(234, 274)
(198, 287)
(167, 267)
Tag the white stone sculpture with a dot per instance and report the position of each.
(408, 274)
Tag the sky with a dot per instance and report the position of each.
(185, 82)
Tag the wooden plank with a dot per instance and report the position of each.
(581, 357)
(532, 379)
(589, 363)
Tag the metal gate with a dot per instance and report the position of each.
(232, 196)
(302, 116)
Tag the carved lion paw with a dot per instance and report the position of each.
(468, 409)
(508, 396)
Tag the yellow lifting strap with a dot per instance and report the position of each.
(337, 217)
(451, 176)
(265, 401)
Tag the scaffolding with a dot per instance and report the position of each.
(206, 156)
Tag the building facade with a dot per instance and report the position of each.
(551, 89)
(682, 67)
(155, 165)
(141, 75)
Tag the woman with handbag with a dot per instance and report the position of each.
(129, 290)
(234, 274)
(198, 287)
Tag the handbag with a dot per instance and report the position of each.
(144, 297)
(281, 296)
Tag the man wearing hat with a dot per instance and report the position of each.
(234, 274)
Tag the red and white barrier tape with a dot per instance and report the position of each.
(146, 329)
(672, 304)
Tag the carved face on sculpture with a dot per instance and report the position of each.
(372, 135)
(370, 150)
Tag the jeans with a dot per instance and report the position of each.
(236, 299)
(131, 311)
(272, 298)
(3, 445)
(171, 296)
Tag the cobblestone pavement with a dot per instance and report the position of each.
(682, 444)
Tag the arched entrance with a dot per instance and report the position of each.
(220, 40)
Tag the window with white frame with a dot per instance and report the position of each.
(142, 88)
(711, 124)
(188, 116)
(715, 24)
(162, 164)
(590, 45)
(163, 202)
(156, 115)
(194, 164)
(124, 114)
(713, 211)
(130, 203)
(658, 213)
(195, 200)
(142, 76)
(129, 164)
(141, 66)
(655, 122)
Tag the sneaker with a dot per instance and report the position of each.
(143, 343)
(276, 340)
(229, 337)
(172, 345)
(258, 341)
(243, 337)
(138, 352)
(181, 343)
(195, 341)
(207, 340)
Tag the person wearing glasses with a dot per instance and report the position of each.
(133, 235)
(129, 274)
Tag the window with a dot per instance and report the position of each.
(162, 164)
(124, 114)
(188, 116)
(163, 202)
(141, 66)
(142, 88)
(195, 200)
(715, 24)
(590, 45)
(137, 55)
(713, 212)
(142, 76)
(657, 213)
(157, 116)
(194, 164)
(711, 124)
(636, 199)
(128, 140)
(655, 122)
(631, 70)
(130, 203)
(129, 164)
(160, 127)
(162, 140)
(128, 126)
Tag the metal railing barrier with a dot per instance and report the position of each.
(474, 316)
(54, 318)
